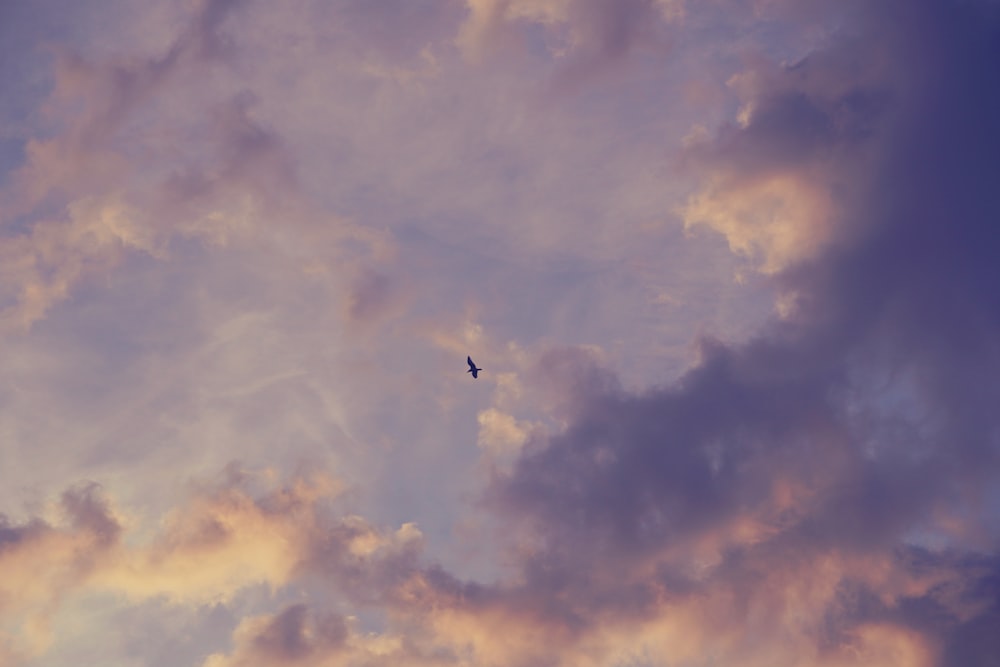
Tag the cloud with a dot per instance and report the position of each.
(301, 635)
(778, 179)
(371, 296)
(848, 429)
(222, 540)
(243, 530)
(500, 433)
(292, 636)
(596, 30)
(43, 563)
(822, 491)
(107, 177)
(775, 222)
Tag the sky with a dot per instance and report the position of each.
(730, 268)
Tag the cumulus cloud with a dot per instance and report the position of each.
(850, 430)
(44, 562)
(499, 432)
(779, 177)
(244, 529)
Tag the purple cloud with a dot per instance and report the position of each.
(874, 397)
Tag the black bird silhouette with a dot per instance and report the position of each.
(472, 368)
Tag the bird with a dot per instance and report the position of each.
(472, 368)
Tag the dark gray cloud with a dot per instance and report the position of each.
(878, 393)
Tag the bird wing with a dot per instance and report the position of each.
(471, 365)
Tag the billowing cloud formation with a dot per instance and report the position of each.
(272, 233)
(42, 563)
(847, 440)
(780, 178)
(243, 530)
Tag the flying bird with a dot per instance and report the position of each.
(472, 368)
